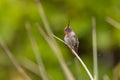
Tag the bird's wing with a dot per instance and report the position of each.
(75, 41)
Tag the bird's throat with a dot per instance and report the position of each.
(68, 34)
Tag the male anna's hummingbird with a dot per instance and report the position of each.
(71, 39)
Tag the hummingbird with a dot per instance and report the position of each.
(70, 38)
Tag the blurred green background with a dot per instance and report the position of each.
(15, 13)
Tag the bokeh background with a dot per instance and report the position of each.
(15, 13)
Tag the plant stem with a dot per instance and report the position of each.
(83, 64)
(36, 53)
(16, 64)
(95, 61)
(52, 43)
(113, 22)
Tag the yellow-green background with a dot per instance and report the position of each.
(15, 13)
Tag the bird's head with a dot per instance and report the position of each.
(67, 29)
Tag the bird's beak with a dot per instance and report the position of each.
(68, 27)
